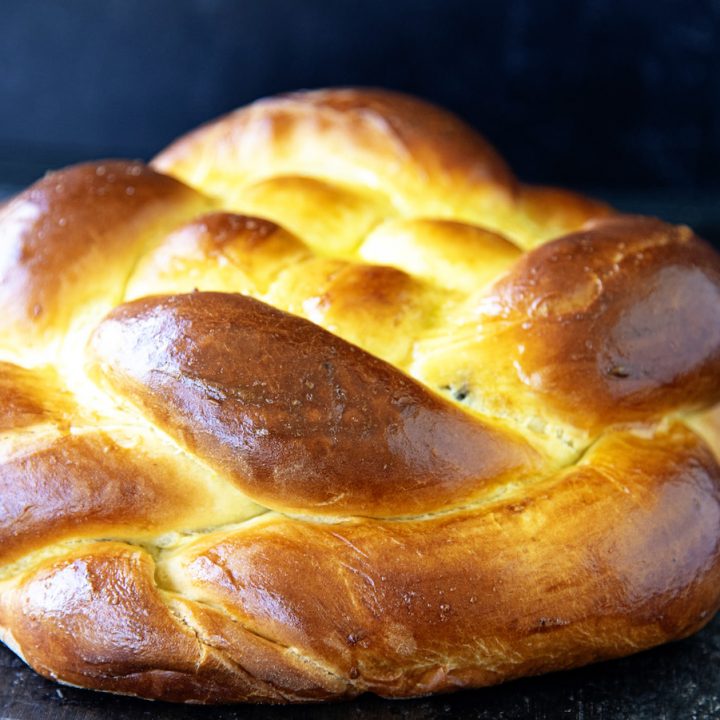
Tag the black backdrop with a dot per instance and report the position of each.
(607, 94)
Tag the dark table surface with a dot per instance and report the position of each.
(681, 680)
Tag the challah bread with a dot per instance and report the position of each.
(325, 402)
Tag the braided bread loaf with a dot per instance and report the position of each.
(325, 402)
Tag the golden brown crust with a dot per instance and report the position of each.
(95, 618)
(104, 484)
(358, 613)
(456, 255)
(31, 397)
(93, 220)
(300, 419)
(333, 431)
(370, 597)
(217, 251)
(554, 211)
(387, 141)
(619, 322)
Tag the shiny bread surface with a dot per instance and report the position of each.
(324, 401)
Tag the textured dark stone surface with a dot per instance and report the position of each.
(679, 681)
(604, 93)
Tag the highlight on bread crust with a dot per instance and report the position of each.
(325, 402)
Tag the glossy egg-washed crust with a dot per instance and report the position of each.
(325, 402)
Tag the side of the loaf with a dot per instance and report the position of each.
(326, 402)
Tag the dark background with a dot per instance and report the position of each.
(616, 95)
